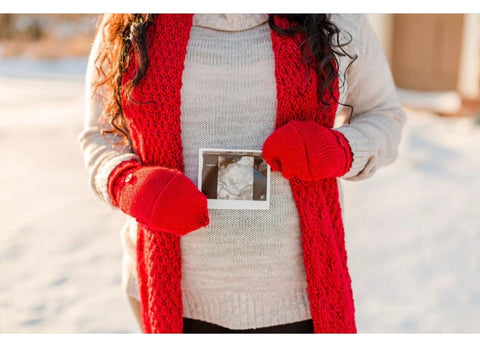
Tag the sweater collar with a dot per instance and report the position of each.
(229, 21)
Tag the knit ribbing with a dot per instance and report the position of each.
(361, 153)
(229, 21)
(239, 308)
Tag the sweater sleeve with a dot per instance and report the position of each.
(101, 157)
(374, 128)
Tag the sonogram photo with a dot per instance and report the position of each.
(233, 179)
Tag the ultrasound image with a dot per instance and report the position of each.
(235, 178)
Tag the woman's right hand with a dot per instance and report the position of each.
(163, 199)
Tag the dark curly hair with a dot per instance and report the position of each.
(125, 32)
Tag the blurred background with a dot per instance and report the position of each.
(46, 36)
(412, 230)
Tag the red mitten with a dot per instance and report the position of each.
(160, 198)
(308, 151)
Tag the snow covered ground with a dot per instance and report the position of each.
(412, 230)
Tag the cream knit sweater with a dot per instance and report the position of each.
(245, 269)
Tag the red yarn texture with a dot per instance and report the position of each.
(154, 125)
(308, 151)
(159, 198)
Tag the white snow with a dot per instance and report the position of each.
(412, 230)
(446, 102)
(60, 253)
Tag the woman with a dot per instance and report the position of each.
(163, 86)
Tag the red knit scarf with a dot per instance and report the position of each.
(154, 125)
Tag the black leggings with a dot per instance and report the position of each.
(197, 326)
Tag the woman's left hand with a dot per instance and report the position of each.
(308, 151)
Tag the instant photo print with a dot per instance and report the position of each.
(234, 179)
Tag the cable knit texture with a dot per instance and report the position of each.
(154, 123)
(325, 258)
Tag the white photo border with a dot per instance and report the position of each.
(233, 204)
